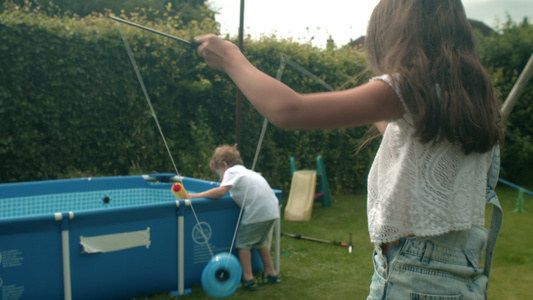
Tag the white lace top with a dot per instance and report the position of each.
(423, 189)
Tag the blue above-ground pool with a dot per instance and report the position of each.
(110, 237)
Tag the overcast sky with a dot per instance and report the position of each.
(342, 19)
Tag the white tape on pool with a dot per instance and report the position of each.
(116, 242)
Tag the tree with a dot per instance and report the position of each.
(505, 54)
(189, 10)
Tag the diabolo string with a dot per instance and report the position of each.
(147, 97)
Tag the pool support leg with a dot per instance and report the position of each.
(64, 218)
(277, 252)
(181, 255)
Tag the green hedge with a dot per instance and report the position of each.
(505, 54)
(71, 105)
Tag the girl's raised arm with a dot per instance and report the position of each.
(287, 109)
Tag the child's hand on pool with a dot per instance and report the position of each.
(189, 196)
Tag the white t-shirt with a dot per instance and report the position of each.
(423, 189)
(250, 188)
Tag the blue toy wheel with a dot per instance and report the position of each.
(222, 275)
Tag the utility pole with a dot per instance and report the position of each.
(238, 102)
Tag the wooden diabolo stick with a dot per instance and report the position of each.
(517, 89)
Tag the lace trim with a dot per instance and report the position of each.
(423, 189)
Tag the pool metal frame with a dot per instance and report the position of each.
(82, 185)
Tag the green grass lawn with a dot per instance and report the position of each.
(312, 270)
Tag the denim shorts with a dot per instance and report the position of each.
(254, 235)
(445, 267)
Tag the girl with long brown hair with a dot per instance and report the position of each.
(438, 161)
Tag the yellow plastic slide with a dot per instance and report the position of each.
(301, 196)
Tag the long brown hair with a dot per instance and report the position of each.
(432, 48)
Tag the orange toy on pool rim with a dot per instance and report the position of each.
(179, 191)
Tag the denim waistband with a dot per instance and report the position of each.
(427, 251)
(461, 248)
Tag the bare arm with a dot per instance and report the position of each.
(381, 125)
(213, 193)
(285, 108)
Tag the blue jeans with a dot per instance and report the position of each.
(444, 267)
